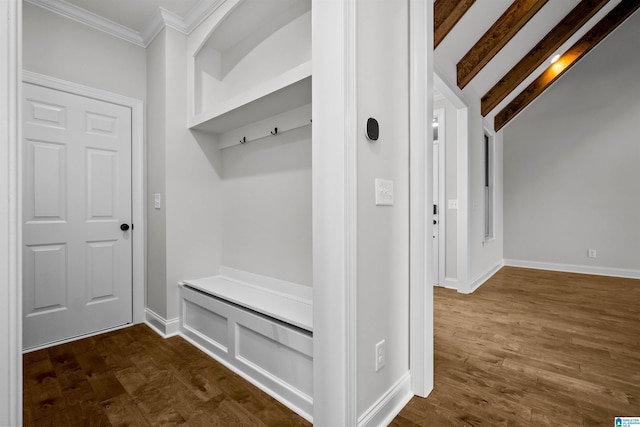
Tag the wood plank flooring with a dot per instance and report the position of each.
(529, 348)
(133, 377)
(534, 348)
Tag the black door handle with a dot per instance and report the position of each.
(435, 222)
(124, 227)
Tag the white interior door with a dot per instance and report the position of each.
(435, 212)
(77, 261)
(438, 212)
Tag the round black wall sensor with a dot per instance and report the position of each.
(372, 129)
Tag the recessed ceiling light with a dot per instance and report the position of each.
(555, 58)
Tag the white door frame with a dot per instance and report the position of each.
(10, 214)
(421, 196)
(137, 172)
(455, 96)
(441, 202)
(334, 214)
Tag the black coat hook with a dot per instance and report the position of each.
(274, 131)
(243, 140)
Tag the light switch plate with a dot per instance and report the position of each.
(381, 355)
(452, 204)
(157, 201)
(384, 192)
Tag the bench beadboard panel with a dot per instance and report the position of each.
(274, 355)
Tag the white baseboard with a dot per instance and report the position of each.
(388, 406)
(480, 280)
(165, 328)
(571, 268)
(450, 283)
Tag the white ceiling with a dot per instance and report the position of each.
(133, 14)
(137, 21)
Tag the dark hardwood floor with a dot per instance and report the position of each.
(529, 348)
(133, 377)
(534, 348)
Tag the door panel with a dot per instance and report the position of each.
(45, 267)
(47, 186)
(77, 192)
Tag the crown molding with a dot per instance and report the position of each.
(162, 18)
(91, 19)
(201, 11)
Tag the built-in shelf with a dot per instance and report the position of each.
(283, 93)
(250, 61)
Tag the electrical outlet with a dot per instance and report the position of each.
(452, 204)
(591, 253)
(381, 355)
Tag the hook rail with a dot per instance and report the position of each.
(274, 132)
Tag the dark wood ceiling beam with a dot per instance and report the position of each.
(541, 52)
(609, 23)
(496, 37)
(446, 14)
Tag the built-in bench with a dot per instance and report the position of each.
(257, 326)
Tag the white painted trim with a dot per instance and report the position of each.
(334, 173)
(199, 13)
(137, 172)
(573, 268)
(153, 28)
(483, 278)
(163, 327)
(450, 283)
(420, 135)
(442, 196)
(351, 204)
(389, 405)
(90, 19)
(457, 98)
(10, 214)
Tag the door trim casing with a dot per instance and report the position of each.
(137, 172)
(10, 214)
(442, 196)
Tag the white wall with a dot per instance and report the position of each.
(59, 47)
(382, 231)
(485, 256)
(192, 199)
(184, 235)
(267, 207)
(156, 248)
(572, 175)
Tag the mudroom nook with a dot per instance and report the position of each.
(250, 96)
